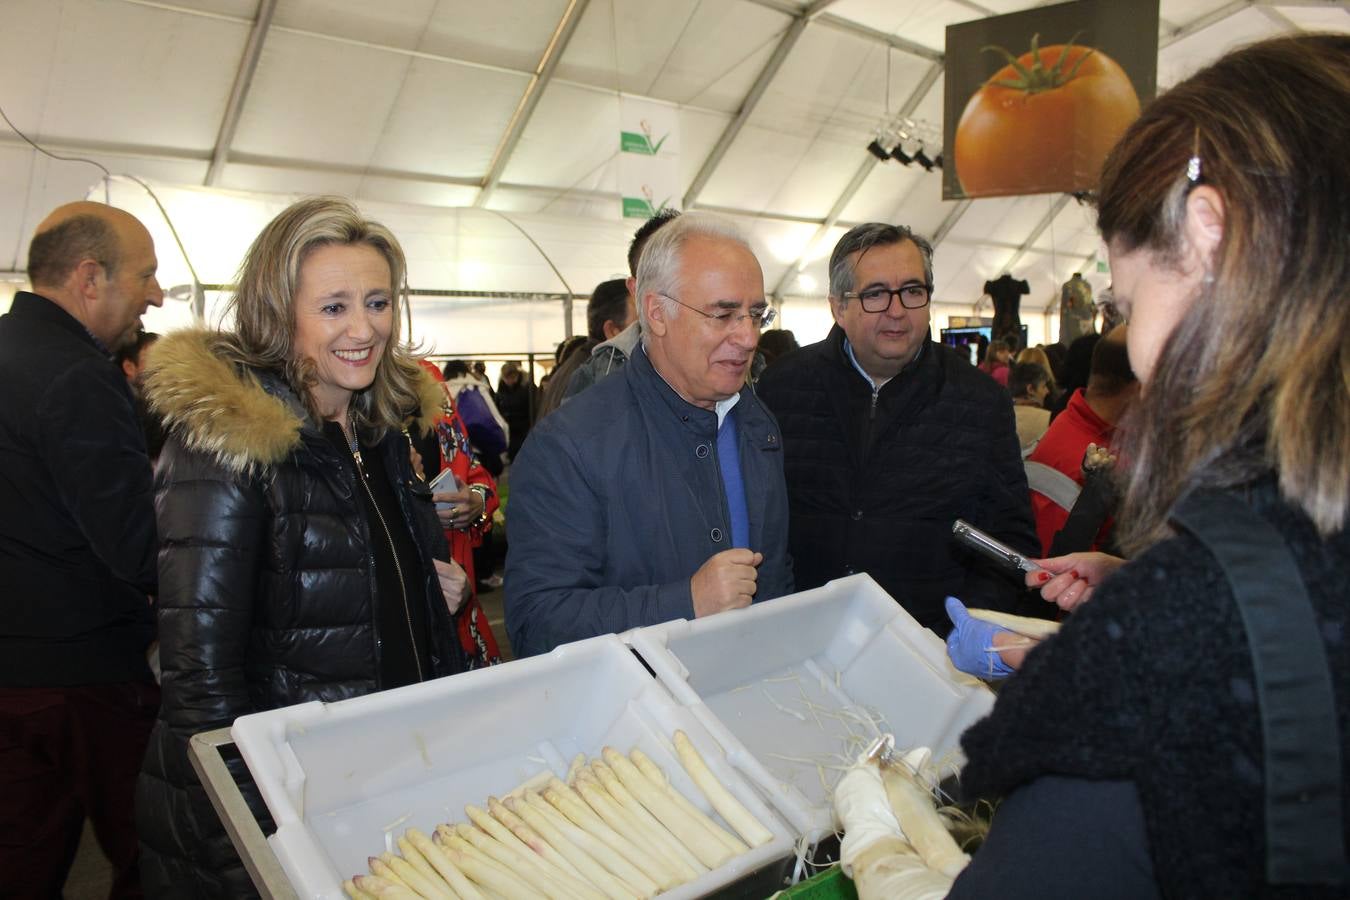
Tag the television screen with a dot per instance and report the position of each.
(968, 339)
(971, 337)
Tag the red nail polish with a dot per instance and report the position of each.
(1042, 577)
(1074, 573)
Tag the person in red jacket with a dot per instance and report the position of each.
(466, 511)
(1090, 418)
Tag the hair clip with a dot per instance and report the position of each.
(1193, 164)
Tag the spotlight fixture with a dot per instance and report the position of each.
(899, 132)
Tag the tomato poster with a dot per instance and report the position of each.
(1034, 100)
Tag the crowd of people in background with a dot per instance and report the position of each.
(210, 523)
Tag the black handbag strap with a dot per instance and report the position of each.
(1304, 840)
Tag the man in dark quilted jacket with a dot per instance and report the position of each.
(889, 437)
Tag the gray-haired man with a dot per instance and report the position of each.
(658, 493)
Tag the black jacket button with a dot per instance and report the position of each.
(701, 451)
(716, 535)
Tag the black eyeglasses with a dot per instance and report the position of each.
(878, 299)
(729, 319)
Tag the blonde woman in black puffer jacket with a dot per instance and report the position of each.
(300, 558)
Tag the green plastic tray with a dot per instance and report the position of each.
(831, 884)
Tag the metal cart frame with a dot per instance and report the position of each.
(262, 864)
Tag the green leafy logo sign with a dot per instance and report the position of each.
(649, 151)
(642, 207)
(630, 142)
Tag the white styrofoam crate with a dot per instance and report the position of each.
(344, 780)
(795, 687)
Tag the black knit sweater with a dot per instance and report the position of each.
(1152, 682)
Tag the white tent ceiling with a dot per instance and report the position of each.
(442, 116)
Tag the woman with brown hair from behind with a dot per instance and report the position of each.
(1187, 732)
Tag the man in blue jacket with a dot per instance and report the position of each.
(77, 552)
(657, 494)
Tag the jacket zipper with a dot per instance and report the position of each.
(393, 553)
(871, 421)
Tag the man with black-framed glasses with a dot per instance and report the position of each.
(889, 437)
(657, 493)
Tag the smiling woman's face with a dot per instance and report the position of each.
(343, 318)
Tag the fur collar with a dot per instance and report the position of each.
(247, 421)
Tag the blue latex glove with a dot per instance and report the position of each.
(970, 643)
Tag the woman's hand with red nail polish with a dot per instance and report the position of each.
(1068, 581)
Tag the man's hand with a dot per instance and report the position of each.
(1068, 581)
(454, 583)
(1096, 459)
(466, 507)
(725, 581)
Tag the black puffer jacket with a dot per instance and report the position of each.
(875, 483)
(266, 589)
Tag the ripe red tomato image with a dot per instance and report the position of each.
(1044, 122)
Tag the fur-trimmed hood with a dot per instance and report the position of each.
(249, 421)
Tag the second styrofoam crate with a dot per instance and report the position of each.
(796, 687)
(344, 780)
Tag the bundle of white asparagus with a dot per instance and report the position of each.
(896, 845)
(616, 828)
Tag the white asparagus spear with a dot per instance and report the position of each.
(503, 835)
(570, 804)
(647, 767)
(923, 827)
(381, 869)
(595, 848)
(577, 762)
(532, 839)
(533, 783)
(590, 868)
(1023, 625)
(354, 892)
(711, 852)
(414, 879)
(423, 866)
(461, 833)
(383, 888)
(451, 836)
(728, 807)
(614, 787)
(514, 862)
(657, 777)
(435, 855)
(478, 867)
(616, 817)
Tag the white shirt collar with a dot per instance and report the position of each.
(723, 407)
(876, 385)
